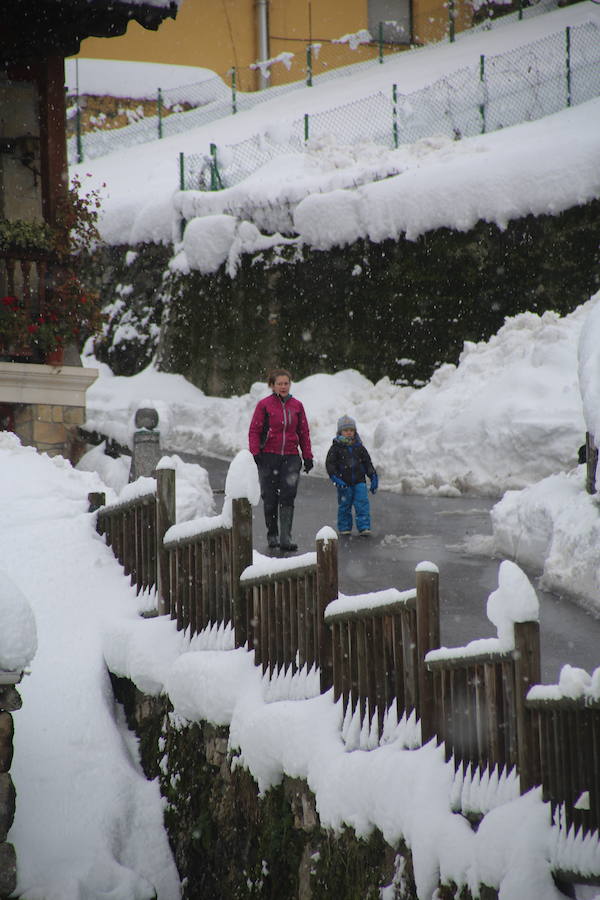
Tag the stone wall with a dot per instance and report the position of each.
(52, 429)
(9, 702)
(230, 843)
(397, 308)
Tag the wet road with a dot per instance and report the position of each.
(454, 533)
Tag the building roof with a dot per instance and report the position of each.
(30, 29)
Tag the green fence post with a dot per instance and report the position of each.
(309, 73)
(305, 127)
(482, 83)
(395, 114)
(233, 92)
(181, 172)
(381, 42)
(568, 63)
(451, 21)
(215, 179)
(78, 139)
(159, 105)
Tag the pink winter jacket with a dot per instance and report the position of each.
(279, 427)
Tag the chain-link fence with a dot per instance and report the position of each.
(521, 85)
(181, 109)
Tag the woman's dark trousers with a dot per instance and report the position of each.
(278, 486)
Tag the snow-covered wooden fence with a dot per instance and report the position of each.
(479, 704)
(130, 529)
(281, 612)
(378, 651)
(566, 756)
(204, 570)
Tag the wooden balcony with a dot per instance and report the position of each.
(24, 274)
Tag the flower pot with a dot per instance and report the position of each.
(55, 357)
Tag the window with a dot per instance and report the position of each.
(395, 16)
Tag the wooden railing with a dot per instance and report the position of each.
(130, 529)
(568, 757)
(281, 614)
(375, 651)
(478, 705)
(204, 571)
(23, 274)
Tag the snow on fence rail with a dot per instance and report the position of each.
(380, 653)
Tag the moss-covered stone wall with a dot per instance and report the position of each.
(398, 308)
(231, 844)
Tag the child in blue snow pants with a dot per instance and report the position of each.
(347, 464)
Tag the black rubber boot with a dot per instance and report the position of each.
(272, 529)
(286, 517)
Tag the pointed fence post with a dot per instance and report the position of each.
(428, 638)
(527, 673)
(241, 558)
(165, 517)
(327, 590)
(96, 500)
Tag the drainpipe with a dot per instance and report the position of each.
(263, 39)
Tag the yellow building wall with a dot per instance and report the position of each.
(212, 34)
(318, 22)
(222, 34)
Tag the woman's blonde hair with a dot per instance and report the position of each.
(276, 373)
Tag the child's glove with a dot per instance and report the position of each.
(338, 481)
(374, 483)
(308, 464)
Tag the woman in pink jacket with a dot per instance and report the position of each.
(278, 428)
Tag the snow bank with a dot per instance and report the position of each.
(507, 415)
(18, 635)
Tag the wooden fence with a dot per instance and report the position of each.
(478, 705)
(568, 757)
(130, 529)
(375, 652)
(282, 614)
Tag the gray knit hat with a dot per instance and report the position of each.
(345, 422)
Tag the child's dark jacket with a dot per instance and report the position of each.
(350, 462)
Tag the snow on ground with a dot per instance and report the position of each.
(107, 838)
(506, 422)
(514, 400)
(139, 81)
(509, 418)
(87, 824)
(142, 180)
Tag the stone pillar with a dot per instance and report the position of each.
(10, 701)
(146, 444)
(51, 428)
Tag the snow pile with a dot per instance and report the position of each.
(110, 837)
(507, 415)
(117, 78)
(455, 187)
(514, 601)
(573, 684)
(495, 177)
(589, 368)
(18, 636)
(553, 526)
(73, 753)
